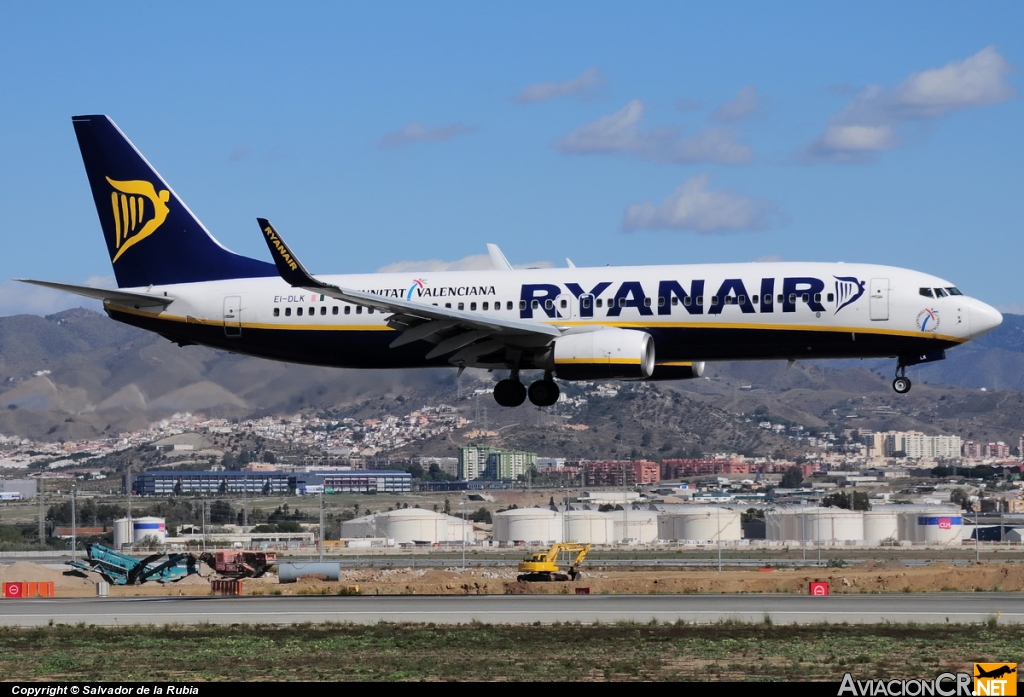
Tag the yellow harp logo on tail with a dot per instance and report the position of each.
(138, 211)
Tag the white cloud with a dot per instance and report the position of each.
(543, 91)
(1011, 309)
(693, 207)
(414, 132)
(476, 262)
(621, 132)
(25, 299)
(745, 104)
(867, 125)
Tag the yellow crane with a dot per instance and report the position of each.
(543, 566)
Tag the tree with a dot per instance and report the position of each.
(447, 507)
(961, 498)
(792, 478)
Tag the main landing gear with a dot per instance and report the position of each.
(902, 383)
(512, 392)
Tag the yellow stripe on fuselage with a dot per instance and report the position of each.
(602, 361)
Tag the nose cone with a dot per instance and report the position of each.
(984, 318)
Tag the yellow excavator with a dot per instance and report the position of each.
(543, 566)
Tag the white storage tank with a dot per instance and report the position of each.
(151, 527)
(703, 523)
(528, 525)
(459, 528)
(641, 526)
(413, 525)
(939, 529)
(123, 533)
(774, 522)
(835, 525)
(880, 525)
(366, 526)
(588, 527)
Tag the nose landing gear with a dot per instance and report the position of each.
(902, 383)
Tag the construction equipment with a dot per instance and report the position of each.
(239, 564)
(543, 566)
(124, 570)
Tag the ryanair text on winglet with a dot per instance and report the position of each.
(281, 249)
(945, 685)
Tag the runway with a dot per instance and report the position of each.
(932, 608)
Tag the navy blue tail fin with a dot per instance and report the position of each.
(153, 238)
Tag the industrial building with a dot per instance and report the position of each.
(266, 483)
(25, 487)
(915, 524)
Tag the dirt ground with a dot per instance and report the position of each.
(868, 577)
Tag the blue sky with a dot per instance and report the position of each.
(378, 135)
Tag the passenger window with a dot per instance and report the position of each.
(817, 297)
(688, 301)
(675, 300)
(661, 301)
(509, 306)
(926, 292)
(312, 311)
(586, 301)
(563, 304)
(754, 299)
(729, 300)
(549, 304)
(700, 299)
(287, 312)
(298, 311)
(359, 309)
(277, 312)
(334, 310)
(742, 300)
(622, 302)
(323, 309)
(647, 302)
(792, 298)
(472, 306)
(485, 306)
(535, 305)
(348, 309)
(369, 310)
(767, 299)
(448, 305)
(831, 297)
(782, 298)
(939, 293)
(714, 300)
(805, 297)
(599, 302)
(522, 304)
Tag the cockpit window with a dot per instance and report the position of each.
(927, 292)
(939, 293)
(954, 291)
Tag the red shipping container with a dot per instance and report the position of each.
(14, 589)
(819, 588)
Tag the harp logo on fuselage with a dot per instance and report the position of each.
(138, 209)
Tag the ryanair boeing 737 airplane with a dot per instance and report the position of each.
(606, 323)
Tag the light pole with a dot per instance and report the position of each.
(321, 524)
(74, 524)
(462, 506)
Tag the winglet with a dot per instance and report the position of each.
(288, 265)
(498, 260)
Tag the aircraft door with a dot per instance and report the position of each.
(878, 302)
(232, 316)
(567, 306)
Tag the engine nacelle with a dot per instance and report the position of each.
(624, 354)
(678, 371)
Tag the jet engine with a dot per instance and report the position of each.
(681, 370)
(621, 354)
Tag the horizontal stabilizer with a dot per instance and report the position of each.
(120, 297)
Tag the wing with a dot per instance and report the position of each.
(476, 340)
(117, 297)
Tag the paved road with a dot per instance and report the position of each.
(923, 608)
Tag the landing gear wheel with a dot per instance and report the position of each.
(901, 385)
(509, 393)
(544, 393)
